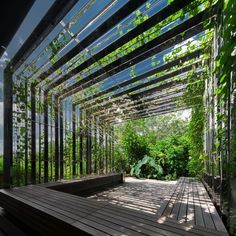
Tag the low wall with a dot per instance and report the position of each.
(88, 185)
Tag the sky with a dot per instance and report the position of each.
(32, 19)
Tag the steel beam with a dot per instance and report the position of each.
(145, 75)
(114, 19)
(168, 39)
(54, 15)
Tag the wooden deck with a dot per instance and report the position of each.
(191, 204)
(51, 212)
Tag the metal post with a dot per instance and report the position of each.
(106, 149)
(113, 150)
(56, 139)
(86, 147)
(45, 137)
(101, 151)
(8, 127)
(73, 141)
(26, 132)
(40, 143)
(90, 145)
(61, 142)
(110, 150)
(52, 154)
(81, 143)
(33, 135)
(95, 145)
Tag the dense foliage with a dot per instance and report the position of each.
(156, 147)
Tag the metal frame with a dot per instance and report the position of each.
(95, 127)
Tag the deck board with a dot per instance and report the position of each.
(7, 227)
(56, 213)
(191, 204)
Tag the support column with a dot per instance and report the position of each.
(56, 139)
(33, 135)
(113, 150)
(110, 149)
(45, 137)
(101, 151)
(81, 143)
(95, 145)
(40, 153)
(106, 149)
(61, 142)
(26, 133)
(88, 144)
(8, 127)
(73, 140)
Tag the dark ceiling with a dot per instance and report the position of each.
(12, 13)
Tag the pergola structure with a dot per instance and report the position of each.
(89, 65)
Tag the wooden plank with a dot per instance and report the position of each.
(73, 202)
(184, 203)
(38, 207)
(190, 203)
(55, 200)
(7, 227)
(199, 230)
(171, 203)
(164, 224)
(177, 203)
(34, 219)
(205, 211)
(190, 211)
(51, 223)
(197, 207)
(166, 202)
(127, 222)
(137, 223)
(114, 226)
(55, 207)
(89, 229)
(67, 209)
(212, 210)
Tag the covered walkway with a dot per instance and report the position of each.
(91, 64)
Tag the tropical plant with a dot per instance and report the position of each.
(147, 168)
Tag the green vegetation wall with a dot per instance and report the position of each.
(220, 144)
(157, 147)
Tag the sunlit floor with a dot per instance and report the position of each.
(140, 194)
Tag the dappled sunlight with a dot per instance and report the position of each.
(145, 195)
